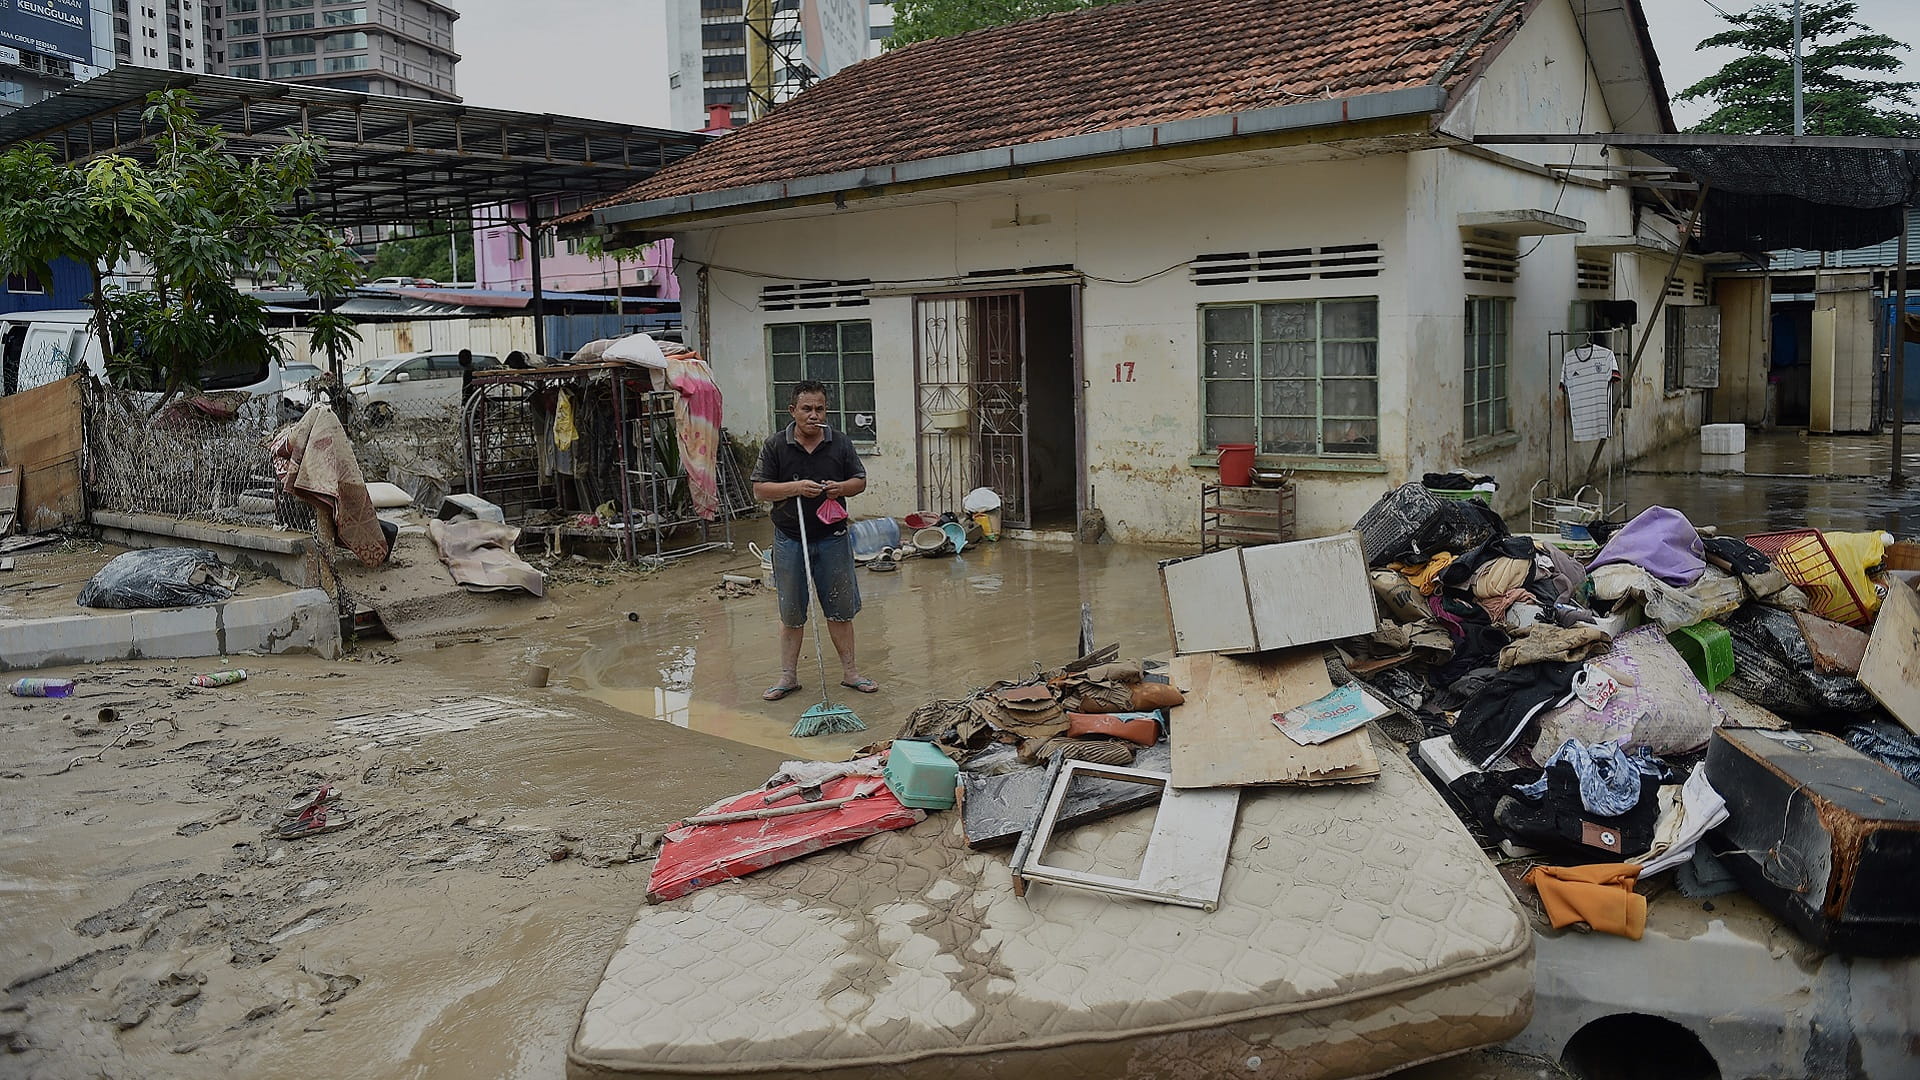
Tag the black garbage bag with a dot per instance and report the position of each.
(1773, 668)
(160, 578)
(1889, 744)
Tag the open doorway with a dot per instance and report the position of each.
(994, 378)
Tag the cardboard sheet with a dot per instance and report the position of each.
(1224, 735)
(1891, 669)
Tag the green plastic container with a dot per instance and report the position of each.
(919, 775)
(1461, 496)
(1708, 650)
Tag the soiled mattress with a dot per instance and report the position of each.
(1359, 931)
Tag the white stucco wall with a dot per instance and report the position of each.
(1130, 236)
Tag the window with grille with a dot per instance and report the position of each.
(838, 354)
(1299, 377)
(1484, 394)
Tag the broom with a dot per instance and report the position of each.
(825, 718)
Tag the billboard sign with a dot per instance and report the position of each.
(50, 27)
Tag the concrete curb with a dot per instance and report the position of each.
(302, 622)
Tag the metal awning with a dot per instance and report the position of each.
(390, 160)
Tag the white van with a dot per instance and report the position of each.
(39, 347)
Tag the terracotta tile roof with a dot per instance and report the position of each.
(1119, 66)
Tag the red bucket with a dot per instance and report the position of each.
(1236, 464)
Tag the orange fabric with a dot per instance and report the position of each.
(1150, 695)
(1143, 731)
(1600, 895)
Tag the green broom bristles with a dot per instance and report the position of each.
(827, 719)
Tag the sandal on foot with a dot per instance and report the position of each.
(320, 819)
(775, 693)
(864, 685)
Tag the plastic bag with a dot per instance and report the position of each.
(160, 578)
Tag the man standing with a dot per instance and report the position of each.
(800, 469)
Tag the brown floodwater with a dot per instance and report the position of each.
(933, 628)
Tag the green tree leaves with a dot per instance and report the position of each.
(1754, 93)
(197, 218)
(921, 20)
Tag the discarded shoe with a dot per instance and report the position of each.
(309, 799)
(317, 820)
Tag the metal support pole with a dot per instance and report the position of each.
(1898, 391)
(539, 303)
(1799, 110)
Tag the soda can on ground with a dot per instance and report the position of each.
(41, 688)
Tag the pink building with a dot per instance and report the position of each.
(503, 259)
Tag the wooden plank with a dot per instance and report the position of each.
(41, 434)
(1891, 667)
(9, 498)
(1837, 648)
(1207, 603)
(1224, 735)
(1309, 591)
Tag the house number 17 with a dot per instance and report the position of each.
(1123, 371)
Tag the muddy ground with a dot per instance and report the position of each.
(156, 927)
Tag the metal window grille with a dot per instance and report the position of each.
(813, 295)
(838, 354)
(1298, 377)
(1488, 345)
(1288, 264)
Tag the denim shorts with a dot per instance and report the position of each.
(833, 578)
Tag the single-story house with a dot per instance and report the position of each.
(1069, 257)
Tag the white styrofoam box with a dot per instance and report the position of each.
(1274, 596)
(1723, 439)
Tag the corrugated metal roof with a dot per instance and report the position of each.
(389, 160)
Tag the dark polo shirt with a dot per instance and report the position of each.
(783, 460)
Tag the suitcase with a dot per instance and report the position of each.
(1824, 836)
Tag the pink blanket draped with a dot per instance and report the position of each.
(697, 413)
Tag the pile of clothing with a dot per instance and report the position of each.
(1559, 715)
(1095, 709)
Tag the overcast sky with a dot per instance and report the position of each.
(606, 59)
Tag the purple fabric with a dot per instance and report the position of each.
(1454, 626)
(1660, 541)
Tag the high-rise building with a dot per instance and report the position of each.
(168, 34)
(403, 48)
(45, 48)
(707, 51)
(879, 26)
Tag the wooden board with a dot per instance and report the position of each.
(41, 435)
(1224, 735)
(1836, 647)
(1891, 669)
(9, 498)
(1207, 603)
(1309, 591)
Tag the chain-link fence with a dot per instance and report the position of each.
(204, 457)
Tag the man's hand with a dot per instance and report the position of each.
(811, 489)
(834, 488)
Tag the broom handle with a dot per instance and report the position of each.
(813, 598)
(772, 811)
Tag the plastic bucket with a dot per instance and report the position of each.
(874, 535)
(930, 541)
(1236, 464)
(956, 535)
(989, 523)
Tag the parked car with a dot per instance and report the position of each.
(411, 382)
(40, 347)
